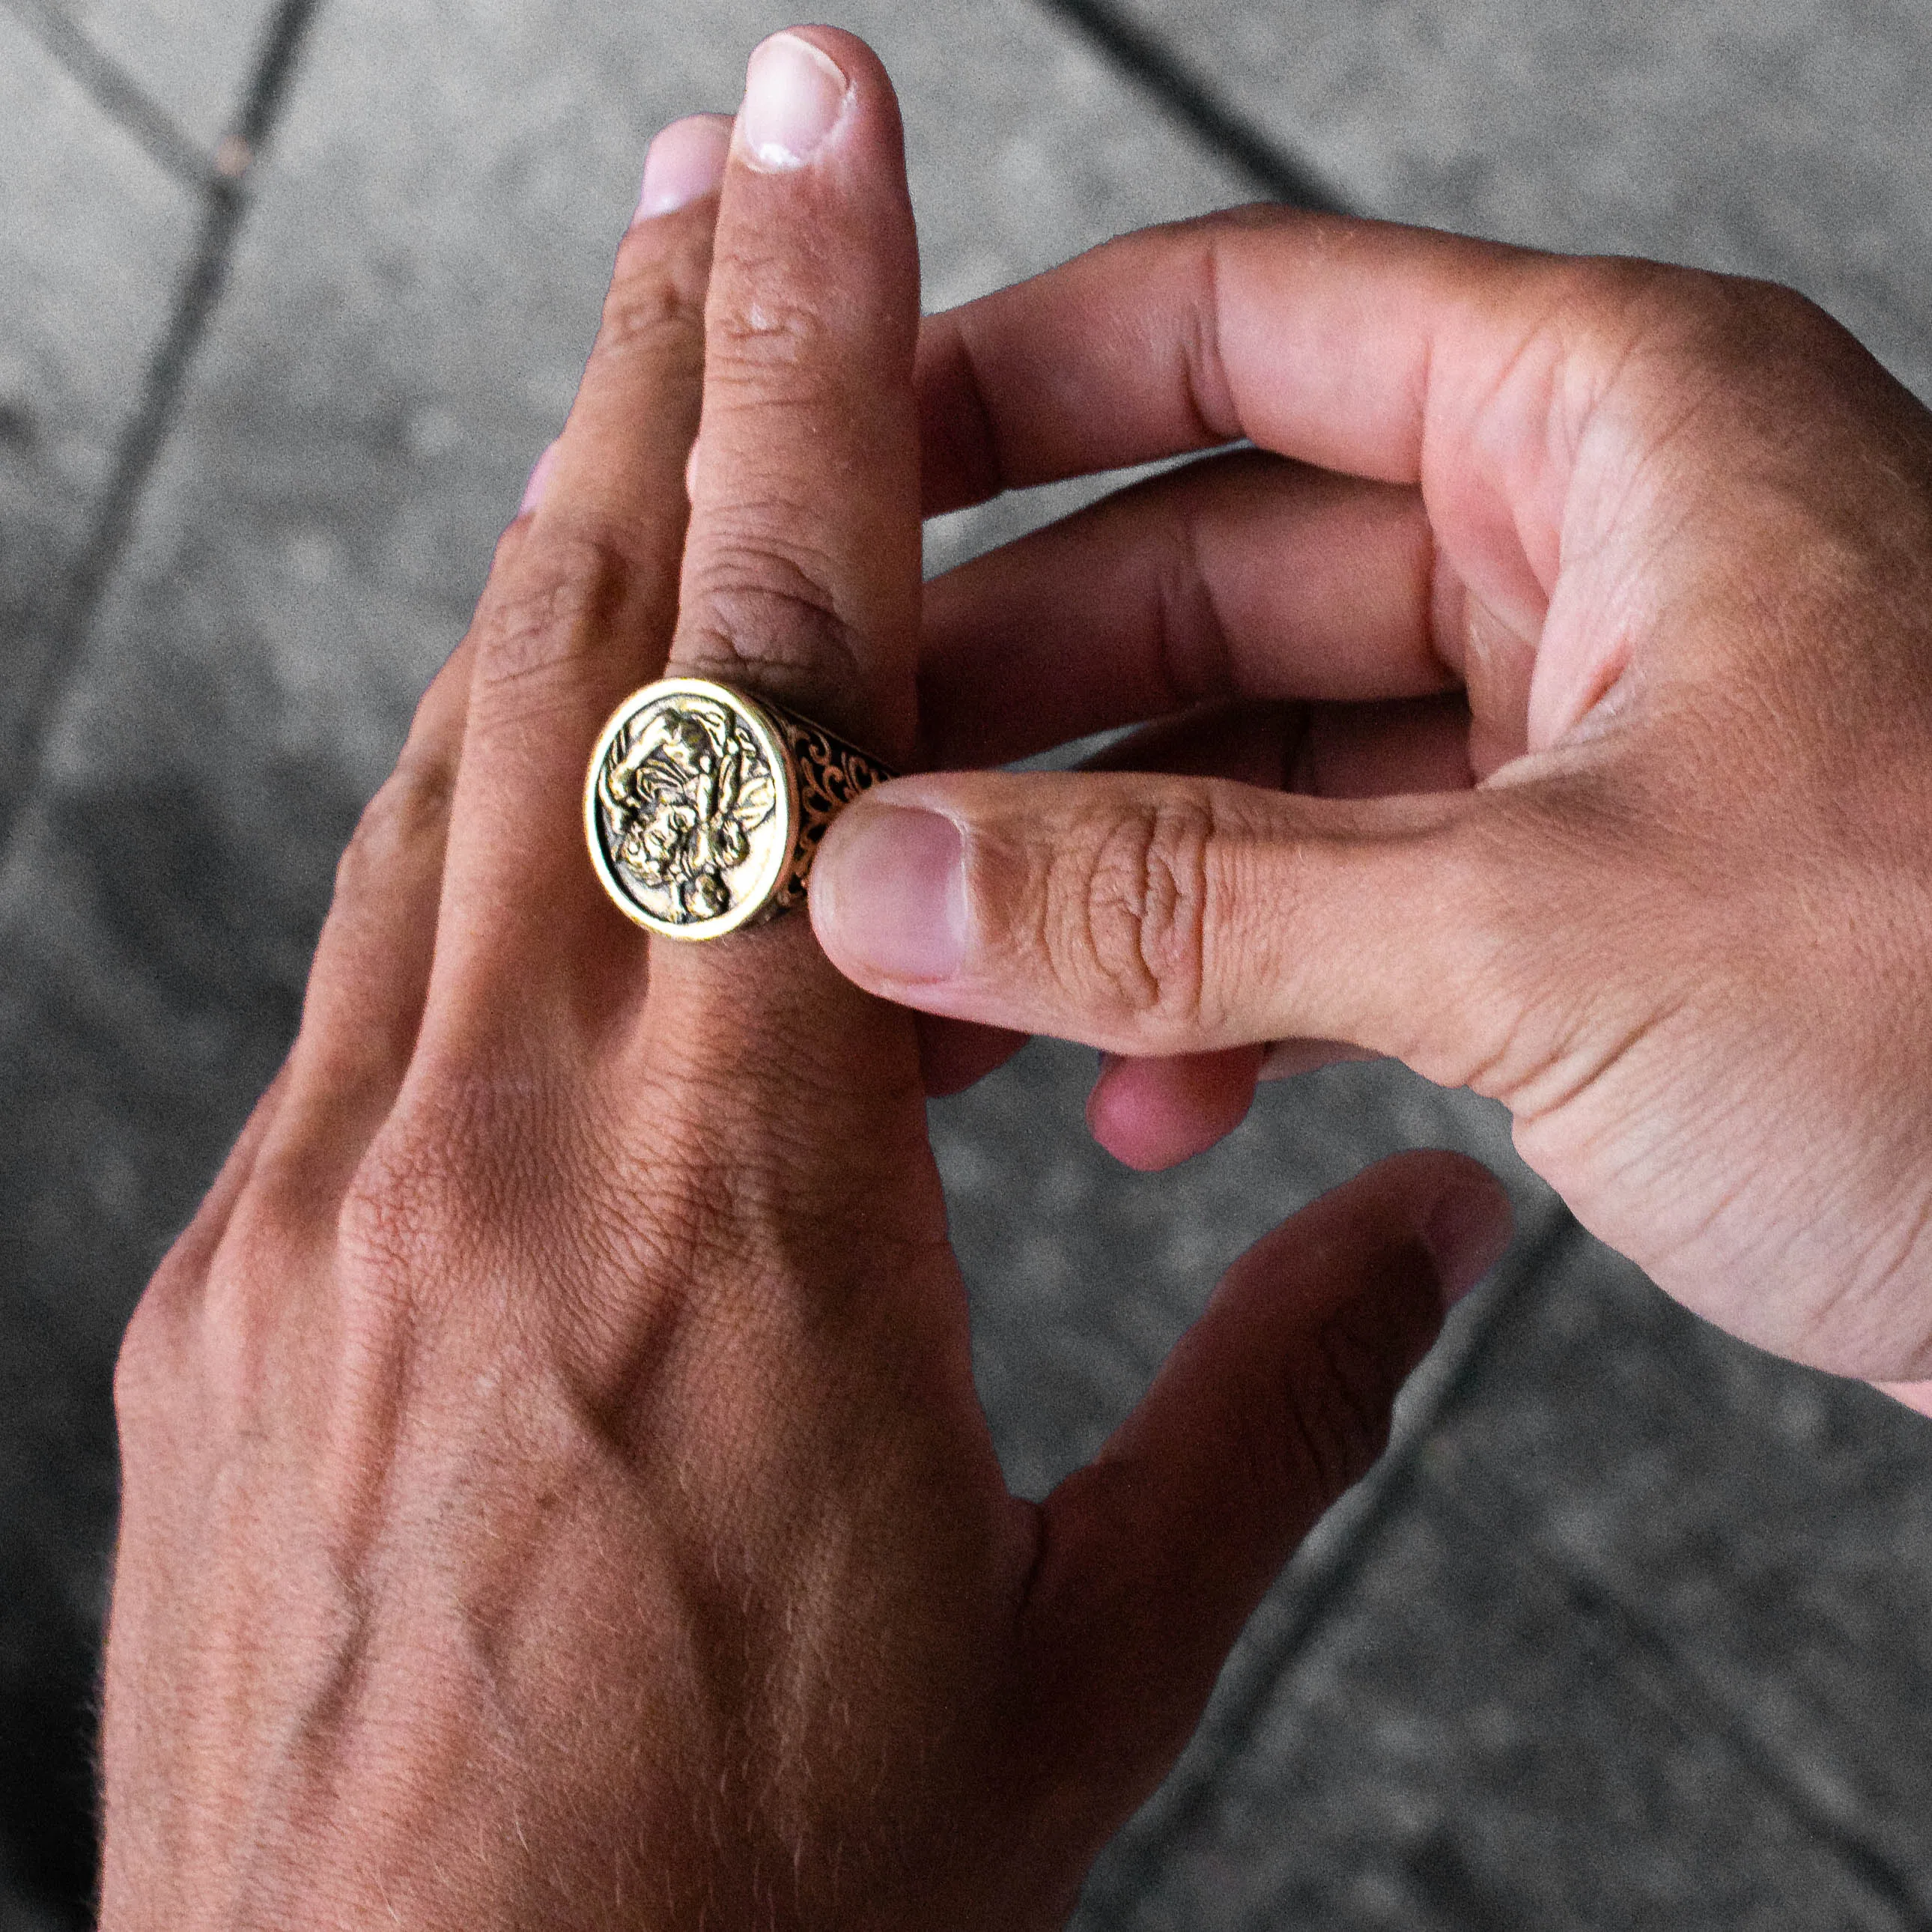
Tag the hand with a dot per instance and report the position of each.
(555, 1494)
(1579, 659)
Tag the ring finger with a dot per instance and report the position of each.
(582, 614)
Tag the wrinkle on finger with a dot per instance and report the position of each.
(990, 415)
(769, 613)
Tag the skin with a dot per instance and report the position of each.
(554, 1491)
(1548, 704)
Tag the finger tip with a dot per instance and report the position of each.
(888, 896)
(1153, 1115)
(805, 88)
(853, 56)
(685, 163)
(1468, 1227)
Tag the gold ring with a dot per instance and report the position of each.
(704, 806)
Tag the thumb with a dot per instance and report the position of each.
(1154, 1555)
(1154, 915)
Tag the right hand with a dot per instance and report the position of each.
(1592, 618)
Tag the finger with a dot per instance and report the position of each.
(1244, 576)
(801, 578)
(580, 615)
(605, 485)
(184, 1269)
(1160, 915)
(1151, 1114)
(955, 1055)
(363, 1006)
(1288, 1059)
(1404, 746)
(1154, 1114)
(1275, 1402)
(1253, 744)
(1314, 336)
(1469, 369)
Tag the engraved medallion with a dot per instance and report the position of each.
(704, 807)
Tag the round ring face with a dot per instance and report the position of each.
(691, 809)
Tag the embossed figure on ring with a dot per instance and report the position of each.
(704, 806)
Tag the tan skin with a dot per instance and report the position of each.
(555, 1494)
(1573, 637)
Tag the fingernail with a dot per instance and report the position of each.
(686, 162)
(533, 491)
(794, 95)
(1468, 1231)
(895, 892)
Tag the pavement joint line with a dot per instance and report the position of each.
(1624, 1632)
(115, 91)
(1194, 101)
(224, 191)
(1143, 1848)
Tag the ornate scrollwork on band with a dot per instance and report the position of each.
(831, 774)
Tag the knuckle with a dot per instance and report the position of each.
(759, 602)
(411, 805)
(1590, 310)
(415, 1198)
(774, 334)
(559, 603)
(1600, 286)
(1131, 909)
(1732, 327)
(655, 310)
(147, 1368)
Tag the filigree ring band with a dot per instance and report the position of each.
(704, 806)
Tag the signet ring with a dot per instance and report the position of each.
(704, 806)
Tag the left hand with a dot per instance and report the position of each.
(555, 1493)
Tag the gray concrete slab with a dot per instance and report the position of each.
(92, 236)
(434, 228)
(1767, 137)
(1084, 1274)
(1520, 1700)
(92, 240)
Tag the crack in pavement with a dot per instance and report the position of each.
(222, 183)
(1195, 102)
(115, 91)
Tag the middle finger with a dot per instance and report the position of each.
(582, 614)
(1242, 576)
(801, 581)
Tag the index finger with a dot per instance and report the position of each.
(1319, 336)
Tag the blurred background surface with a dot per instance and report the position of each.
(1631, 1629)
